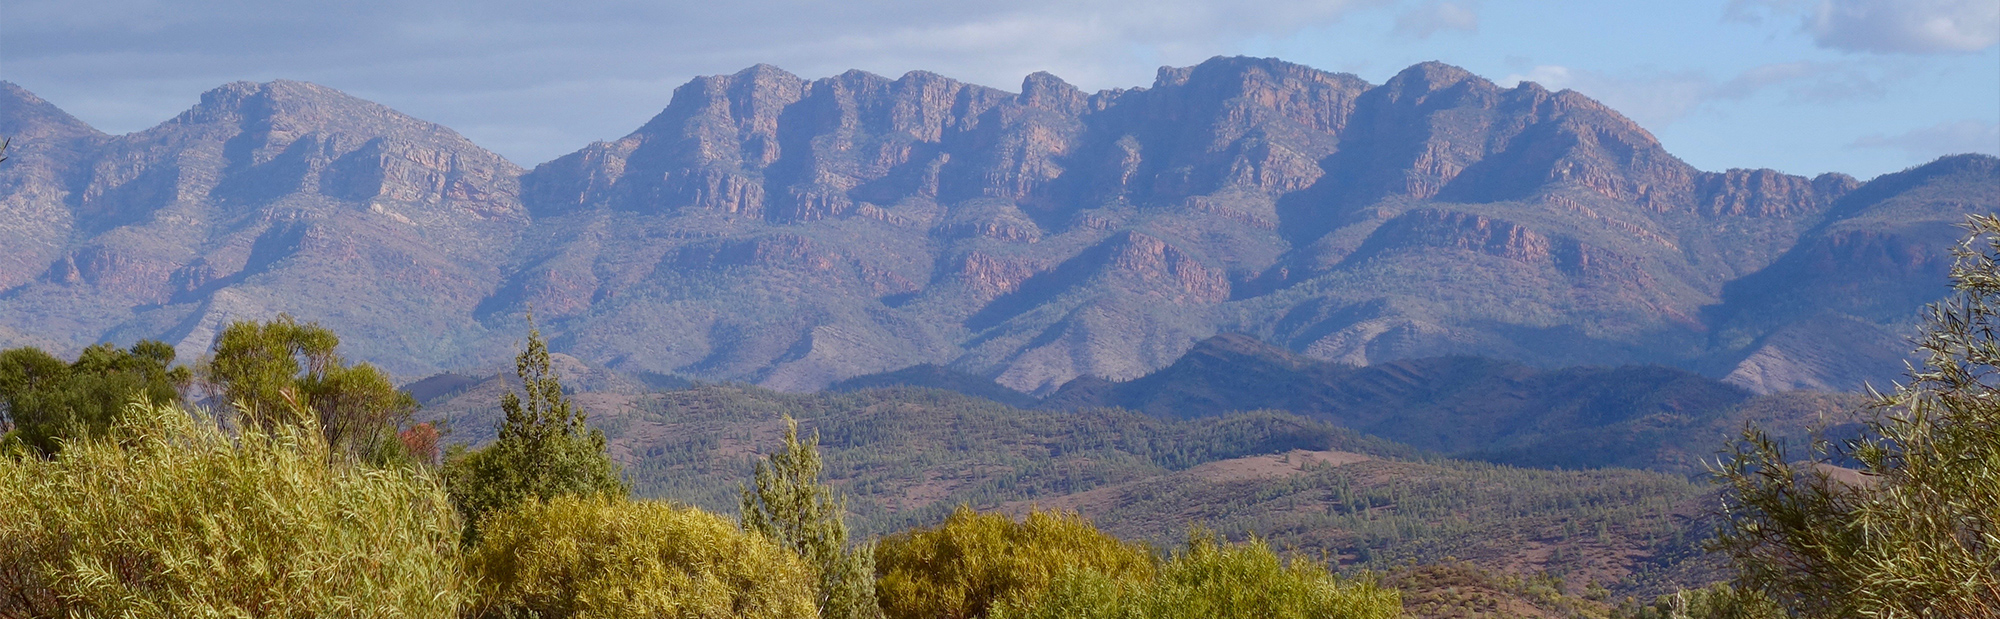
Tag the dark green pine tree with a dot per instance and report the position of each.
(544, 450)
(790, 505)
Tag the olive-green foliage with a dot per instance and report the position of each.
(1385, 512)
(170, 516)
(886, 447)
(1464, 590)
(49, 401)
(1718, 601)
(1210, 579)
(879, 443)
(604, 557)
(1917, 532)
(790, 506)
(278, 371)
(960, 569)
(545, 449)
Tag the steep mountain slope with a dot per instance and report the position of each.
(267, 198)
(1051, 234)
(860, 223)
(794, 232)
(1648, 417)
(1835, 312)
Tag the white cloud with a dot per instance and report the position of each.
(1806, 82)
(1949, 138)
(1885, 26)
(1432, 17)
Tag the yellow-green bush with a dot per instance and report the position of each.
(959, 569)
(1213, 580)
(169, 516)
(602, 557)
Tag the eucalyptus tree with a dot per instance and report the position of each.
(1915, 532)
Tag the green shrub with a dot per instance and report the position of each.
(959, 569)
(601, 557)
(49, 401)
(545, 449)
(169, 516)
(1213, 580)
(274, 373)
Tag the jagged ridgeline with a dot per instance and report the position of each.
(794, 233)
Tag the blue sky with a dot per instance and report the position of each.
(1803, 86)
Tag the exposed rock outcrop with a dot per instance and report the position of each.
(794, 232)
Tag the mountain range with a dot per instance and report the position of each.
(794, 233)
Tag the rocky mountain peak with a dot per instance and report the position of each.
(1044, 90)
(287, 106)
(749, 99)
(45, 146)
(1422, 80)
(24, 116)
(794, 232)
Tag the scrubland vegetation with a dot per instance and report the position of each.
(305, 499)
(309, 492)
(166, 514)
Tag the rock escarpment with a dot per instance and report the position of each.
(795, 232)
(267, 198)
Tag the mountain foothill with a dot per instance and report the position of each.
(794, 233)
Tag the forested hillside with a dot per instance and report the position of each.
(908, 456)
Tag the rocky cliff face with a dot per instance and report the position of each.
(45, 145)
(266, 198)
(794, 232)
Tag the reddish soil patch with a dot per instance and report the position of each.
(1266, 466)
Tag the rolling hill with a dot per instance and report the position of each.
(907, 456)
(1646, 417)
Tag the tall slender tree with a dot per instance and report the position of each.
(545, 448)
(791, 506)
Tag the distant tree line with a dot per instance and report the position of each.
(311, 493)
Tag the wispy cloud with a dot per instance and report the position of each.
(1885, 26)
(1434, 17)
(1659, 98)
(1805, 82)
(1948, 138)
